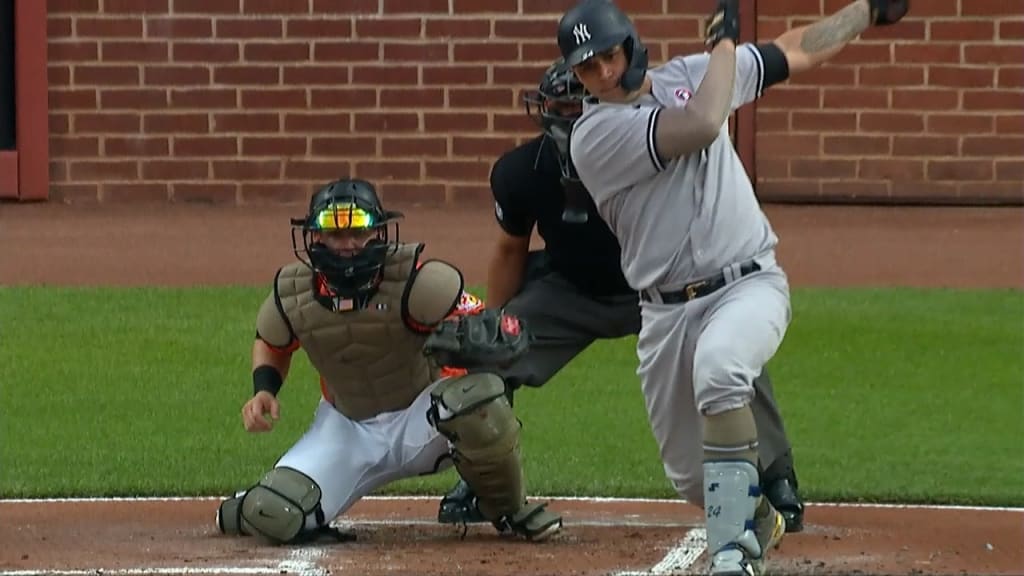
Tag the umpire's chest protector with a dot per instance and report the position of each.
(371, 362)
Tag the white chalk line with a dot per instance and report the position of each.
(592, 499)
(300, 561)
(303, 561)
(170, 571)
(347, 524)
(680, 558)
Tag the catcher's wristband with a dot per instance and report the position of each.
(266, 378)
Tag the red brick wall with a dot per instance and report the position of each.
(260, 100)
(930, 108)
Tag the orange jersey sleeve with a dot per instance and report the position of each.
(283, 350)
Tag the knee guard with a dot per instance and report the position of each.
(229, 515)
(275, 508)
(473, 412)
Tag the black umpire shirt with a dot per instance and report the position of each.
(527, 188)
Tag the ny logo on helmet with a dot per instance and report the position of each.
(581, 33)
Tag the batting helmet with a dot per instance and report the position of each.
(594, 26)
(346, 205)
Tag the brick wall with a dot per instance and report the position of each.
(245, 101)
(930, 108)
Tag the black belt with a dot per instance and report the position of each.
(700, 288)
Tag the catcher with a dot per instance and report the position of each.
(391, 338)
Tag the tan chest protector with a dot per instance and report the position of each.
(370, 360)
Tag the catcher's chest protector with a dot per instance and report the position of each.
(371, 362)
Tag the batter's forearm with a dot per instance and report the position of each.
(808, 46)
(682, 131)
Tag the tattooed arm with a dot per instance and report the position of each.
(808, 46)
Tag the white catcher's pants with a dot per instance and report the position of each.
(351, 459)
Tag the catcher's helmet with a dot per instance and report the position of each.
(346, 205)
(594, 26)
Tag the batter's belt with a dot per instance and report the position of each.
(702, 287)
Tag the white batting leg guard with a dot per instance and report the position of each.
(731, 493)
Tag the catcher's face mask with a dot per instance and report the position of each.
(555, 106)
(346, 245)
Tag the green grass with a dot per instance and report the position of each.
(889, 395)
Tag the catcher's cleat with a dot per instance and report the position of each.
(533, 522)
(459, 506)
(783, 495)
(324, 534)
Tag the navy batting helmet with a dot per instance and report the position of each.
(594, 26)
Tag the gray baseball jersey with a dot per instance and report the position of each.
(681, 219)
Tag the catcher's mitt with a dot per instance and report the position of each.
(490, 339)
(885, 12)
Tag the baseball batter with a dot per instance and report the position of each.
(653, 150)
(572, 292)
(365, 310)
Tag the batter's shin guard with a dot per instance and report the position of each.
(731, 494)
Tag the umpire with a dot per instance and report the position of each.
(573, 291)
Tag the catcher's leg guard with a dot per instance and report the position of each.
(229, 515)
(474, 414)
(277, 508)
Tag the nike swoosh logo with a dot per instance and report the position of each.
(264, 514)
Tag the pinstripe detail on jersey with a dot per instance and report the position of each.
(760, 67)
(652, 150)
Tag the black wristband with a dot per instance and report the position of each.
(266, 378)
(776, 66)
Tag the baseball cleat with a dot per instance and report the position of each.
(782, 493)
(459, 506)
(738, 558)
(769, 529)
(546, 532)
